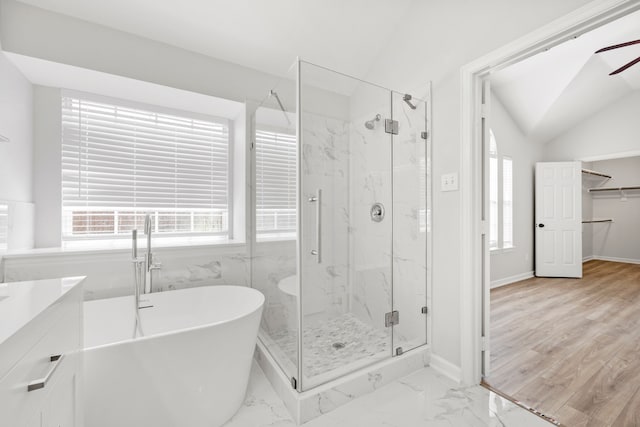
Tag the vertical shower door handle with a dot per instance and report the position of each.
(317, 199)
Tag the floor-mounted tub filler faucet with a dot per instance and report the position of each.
(143, 268)
(150, 266)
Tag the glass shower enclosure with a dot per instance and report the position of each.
(345, 274)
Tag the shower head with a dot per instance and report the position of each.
(370, 124)
(407, 98)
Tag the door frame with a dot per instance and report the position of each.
(574, 24)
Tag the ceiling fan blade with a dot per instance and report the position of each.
(624, 67)
(616, 46)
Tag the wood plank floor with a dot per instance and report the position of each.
(570, 348)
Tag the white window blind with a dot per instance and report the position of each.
(4, 226)
(120, 162)
(275, 182)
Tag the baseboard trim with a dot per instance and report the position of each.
(614, 259)
(511, 279)
(588, 258)
(446, 368)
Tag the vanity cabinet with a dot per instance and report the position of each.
(41, 354)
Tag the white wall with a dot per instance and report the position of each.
(16, 122)
(16, 156)
(588, 181)
(612, 132)
(516, 261)
(437, 40)
(614, 129)
(619, 240)
(47, 156)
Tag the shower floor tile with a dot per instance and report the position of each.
(337, 343)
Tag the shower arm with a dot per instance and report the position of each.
(275, 95)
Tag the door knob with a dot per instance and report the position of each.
(541, 225)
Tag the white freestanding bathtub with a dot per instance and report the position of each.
(190, 368)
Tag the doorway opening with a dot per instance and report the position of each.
(502, 181)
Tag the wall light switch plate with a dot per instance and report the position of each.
(449, 182)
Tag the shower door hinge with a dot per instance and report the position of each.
(424, 135)
(391, 318)
(424, 310)
(391, 126)
(484, 110)
(399, 351)
(294, 383)
(484, 228)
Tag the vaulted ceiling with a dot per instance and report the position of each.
(262, 34)
(551, 92)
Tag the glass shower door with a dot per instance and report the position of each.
(345, 206)
(411, 221)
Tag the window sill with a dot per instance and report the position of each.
(271, 239)
(117, 250)
(505, 250)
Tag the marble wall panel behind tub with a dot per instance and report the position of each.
(110, 273)
(272, 262)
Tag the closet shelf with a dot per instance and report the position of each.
(590, 172)
(636, 187)
(596, 220)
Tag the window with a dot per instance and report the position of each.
(4, 226)
(493, 192)
(500, 197)
(507, 202)
(120, 162)
(275, 183)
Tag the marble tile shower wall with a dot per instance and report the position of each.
(370, 251)
(410, 226)
(325, 165)
(373, 269)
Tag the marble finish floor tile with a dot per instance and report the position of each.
(262, 406)
(356, 341)
(424, 398)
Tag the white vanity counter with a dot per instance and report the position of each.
(21, 302)
(41, 351)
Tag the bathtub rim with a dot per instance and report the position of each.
(259, 307)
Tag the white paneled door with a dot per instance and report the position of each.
(558, 216)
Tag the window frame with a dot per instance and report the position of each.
(99, 241)
(500, 208)
(4, 226)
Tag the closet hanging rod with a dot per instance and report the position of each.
(590, 172)
(597, 220)
(637, 187)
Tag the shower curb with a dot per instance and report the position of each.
(307, 405)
